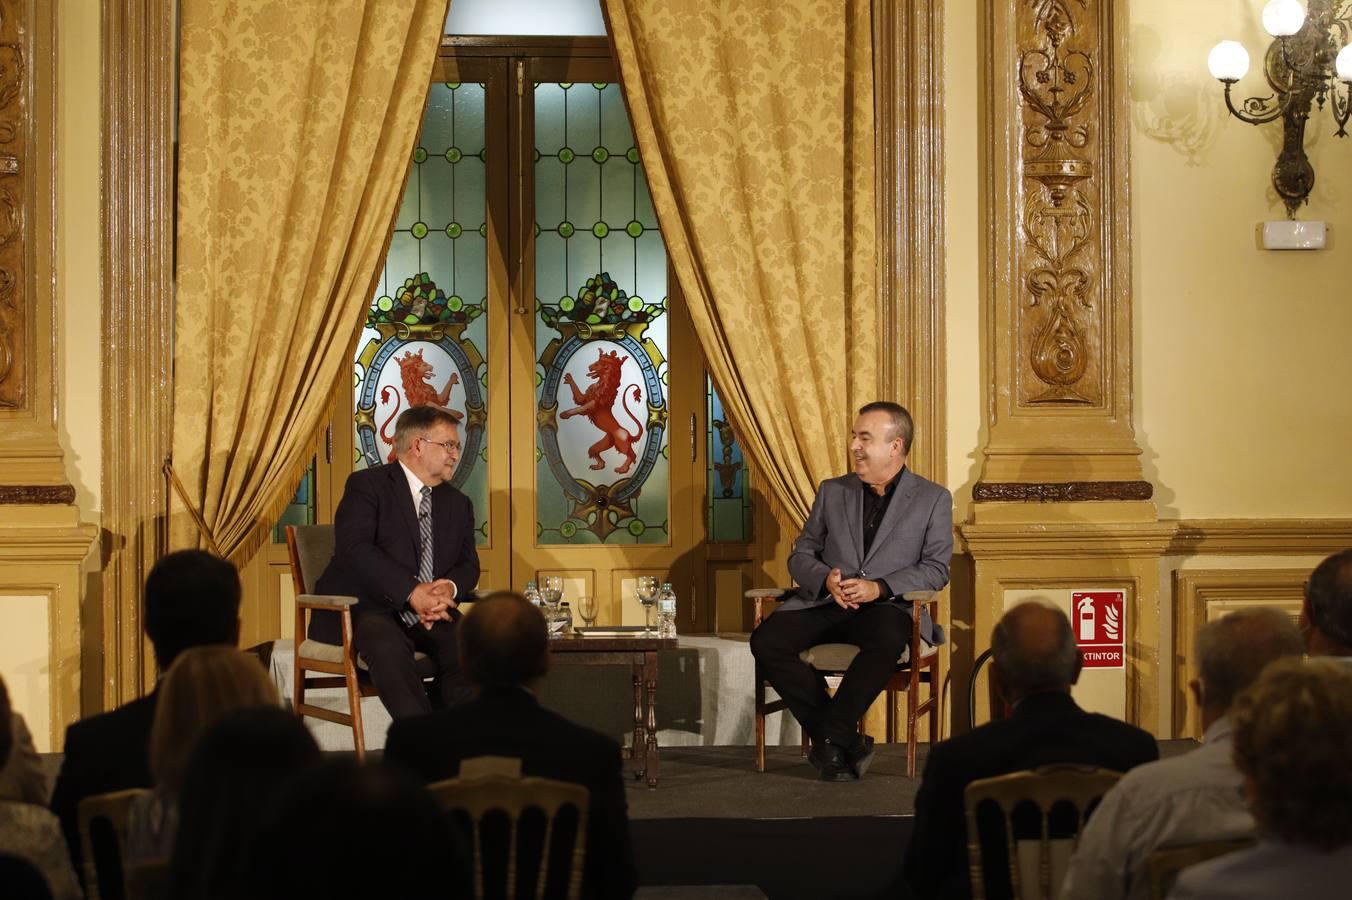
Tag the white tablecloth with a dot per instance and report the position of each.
(704, 698)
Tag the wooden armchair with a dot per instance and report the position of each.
(491, 788)
(834, 659)
(1034, 868)
(310, 548)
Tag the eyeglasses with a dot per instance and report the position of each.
(448, 446)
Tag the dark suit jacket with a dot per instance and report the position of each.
(104, 753)
(1044, 729)
(513, 723)
(375, 557)
(910, 551)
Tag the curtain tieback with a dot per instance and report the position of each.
(192, 510)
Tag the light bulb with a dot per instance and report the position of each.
(1343, 64)
(1283, 18)
(1228, 61)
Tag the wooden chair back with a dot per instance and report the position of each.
(513, 796)
(1035, 869)
(1167, 862)
(103, 836)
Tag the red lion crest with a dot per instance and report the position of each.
(597, 403)
(414, 372)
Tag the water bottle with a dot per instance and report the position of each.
(666, 611)
(533, 595)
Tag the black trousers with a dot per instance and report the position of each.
(387, 645)
(880, 630)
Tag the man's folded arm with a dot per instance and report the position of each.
(464, 570)
(805, 563)
(383, 580)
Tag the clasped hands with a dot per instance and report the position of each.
(433, 600)
(849, 593)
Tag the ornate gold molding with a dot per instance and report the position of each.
(30, 453)
(1206, 594)
(1239, 537)
(138, 78)
(909, 127)
(1058, 312)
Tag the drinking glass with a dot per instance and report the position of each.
(588, 609)
(646, 592)
(552, 592)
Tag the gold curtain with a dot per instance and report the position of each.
(296, 124)
(754, 119)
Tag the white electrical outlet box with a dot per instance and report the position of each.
(1293, 235)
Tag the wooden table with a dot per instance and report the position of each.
(639, 652)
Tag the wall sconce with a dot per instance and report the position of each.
(1310, 50)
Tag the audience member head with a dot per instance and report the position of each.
(504, 642)
(1233, 651)
(1292, 743)
(880, 441)
(1033, 651)
(238, 766)
(407, 846)
(427, 440)
(201, 687)
(191, 599)
(1327, 613)
(6, 725)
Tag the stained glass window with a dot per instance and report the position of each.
(729, 506)
(601, 326)
(301, 509)
(426, 329)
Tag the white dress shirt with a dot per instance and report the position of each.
(415, 487)
(1187, 799)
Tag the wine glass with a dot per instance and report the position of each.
(588, 609)
(646, 592)
(552, 592)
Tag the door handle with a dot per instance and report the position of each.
(692, 437)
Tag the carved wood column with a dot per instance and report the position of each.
(139, 77)
(1061, 504)
(42, 541)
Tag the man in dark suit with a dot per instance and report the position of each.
(404, 547)
(191, 600)
(871, 537)
(505, 652)
(1035, 660)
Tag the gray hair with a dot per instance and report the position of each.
(902, 425)
(1032, 658)
(1233, 651)
(416, 421)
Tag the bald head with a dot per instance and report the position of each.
(1328, 606)
(504, 642)
(1034, 651)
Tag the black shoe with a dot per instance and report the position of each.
(829, 761)
(859, 755)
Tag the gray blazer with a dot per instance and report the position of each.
(910, 551)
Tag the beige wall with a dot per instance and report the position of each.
(25, 661)
(1240, 354)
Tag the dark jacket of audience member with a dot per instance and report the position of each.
(505, 649)
(340, 831)
(238, 767)
(1035, 663)
(191, 599)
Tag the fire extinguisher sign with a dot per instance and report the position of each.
(1099, 620)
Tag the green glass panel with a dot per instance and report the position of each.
(601, 330)
(426, 330)
(729, 506)
(301, 509)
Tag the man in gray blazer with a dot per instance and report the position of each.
(871, 537)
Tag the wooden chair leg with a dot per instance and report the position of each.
(760, 721)
(890, 718)
(353, 687)
(911, 717)
(935, 697)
